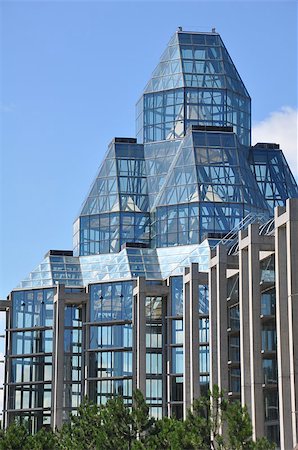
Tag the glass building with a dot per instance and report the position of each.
(133, 305)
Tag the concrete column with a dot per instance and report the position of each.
(283, 348)
(292, 280)
(164, 356)
(255, 333)
(286, 261)
(86, 331)
(7, 372)
(213, 322)
(85, 345)
(250, 328)
(140, 334)
(186, 349)
(218, 321)
(168, 347)
(58, 357)
(191, 385)
(222, 319)
(245, 318)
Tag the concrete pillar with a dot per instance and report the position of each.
(292, 280)
(140, 334)
(191, 385)
(255, 333)
(58, 357)
(168, 347)
(7, 372)
(244, 313)
(213, 323)
(219, 321)
(250, 328)
(286, 261)
(164, 356)
(85, 346)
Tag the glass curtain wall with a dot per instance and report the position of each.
(30, 361)
(72, 358)
(269, 355)
(234, 336)
(110, 341)
(175, 349)
(154, 355)
(204, 359)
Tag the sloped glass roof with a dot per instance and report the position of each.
(158, 158)
(120, 184)
(195, 59)
(193, 175)
(195, 82)
(210, 167)
(273, 174)
(154, 264)
(53, 270)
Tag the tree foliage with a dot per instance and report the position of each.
(212, 423)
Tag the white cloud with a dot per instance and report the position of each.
(281, 127)
(7, 107)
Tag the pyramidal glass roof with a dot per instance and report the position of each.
(168, 73)
(190, 174)
(154, 264)
(120, 184)
(195, 60)
(194, 83)
(210, 167)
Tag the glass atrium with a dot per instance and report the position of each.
(159, 202)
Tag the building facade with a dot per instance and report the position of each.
(159, 292)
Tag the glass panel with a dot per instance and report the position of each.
(111, 336)
(177, 296)
(177, 332)
(32, 308)
(204, 358)
(268, 303)
(235, 380)
(110, 364)
(271, 405)
(111, 301)
(177, 360)
(204, 330)
(270, 371)
(176, 389)
(154, 363)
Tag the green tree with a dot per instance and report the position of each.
(14, 437)
(42, 440)
(221, 425)
(111, 426)
(212, 423)
(83, 431)
(168, 433)
(126, 428)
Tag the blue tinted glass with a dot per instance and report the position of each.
(177, 360)
(203, 299)
(204, 358)
(111, 301)
(32, 308)
(177, 296)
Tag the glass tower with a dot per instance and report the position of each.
(159, 204)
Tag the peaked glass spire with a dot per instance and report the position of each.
(192, 173)
(116, 209)
(195, 83)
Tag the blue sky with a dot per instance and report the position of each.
(71, 74)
